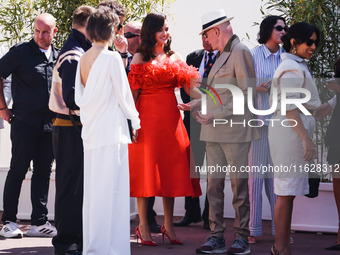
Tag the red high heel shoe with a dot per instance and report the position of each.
(177, 242)
(146, 243)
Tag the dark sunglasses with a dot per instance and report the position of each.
(129, 35)
(205, 33)
(310, 42)
(280, 28)
(119, 27)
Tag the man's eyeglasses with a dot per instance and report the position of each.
(280, 28)
(129, 35)
(205, 33)
(310, 42)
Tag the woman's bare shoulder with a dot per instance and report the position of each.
(137, 59)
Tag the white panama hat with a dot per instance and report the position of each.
(214, 18)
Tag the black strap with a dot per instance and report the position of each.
(73, 121)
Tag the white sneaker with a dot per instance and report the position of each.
(46, 230)
(11, 230)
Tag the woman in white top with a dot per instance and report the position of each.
(103, 94)
(292, 147)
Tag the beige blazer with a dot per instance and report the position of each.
(236, 68)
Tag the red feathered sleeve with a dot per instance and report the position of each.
(186, 74)
(135, 76)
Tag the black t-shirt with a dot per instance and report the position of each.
(31, 81)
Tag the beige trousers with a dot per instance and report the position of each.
(236, 155)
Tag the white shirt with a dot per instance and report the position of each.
(203, 63)
(46, 52)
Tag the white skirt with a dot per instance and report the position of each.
(106, 208)
(286, 149)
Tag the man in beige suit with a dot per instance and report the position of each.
(228, 143)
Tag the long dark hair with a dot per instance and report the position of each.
(153, 22)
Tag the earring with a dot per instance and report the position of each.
(294, 51)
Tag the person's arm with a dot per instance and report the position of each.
(191, 89)
(67, 72)
(308, 145)
(121, 45)
(5, 113)
(324, 110)
(132, 76)
(123, 93)
(8, 64)
(327, 108)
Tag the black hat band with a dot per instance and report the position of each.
(213, 22)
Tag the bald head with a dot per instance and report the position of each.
(47, 19)
(132, 31)
(133, 27)
(44, 30)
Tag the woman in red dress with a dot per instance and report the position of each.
(160, 159)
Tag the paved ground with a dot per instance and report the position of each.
(305, 243)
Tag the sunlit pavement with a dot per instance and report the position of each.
(192, 236)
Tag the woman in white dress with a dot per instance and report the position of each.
(292, 147)
(103, 94)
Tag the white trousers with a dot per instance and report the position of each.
(106, 208)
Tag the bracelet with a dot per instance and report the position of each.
(3, 108)
(123, 55)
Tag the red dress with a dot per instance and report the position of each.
(160, 161)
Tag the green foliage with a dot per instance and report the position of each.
(324, 14)
(17, 16)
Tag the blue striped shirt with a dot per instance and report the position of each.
(265, 64)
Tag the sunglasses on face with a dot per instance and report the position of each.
(310, 42)
(205, 33)
(129, 35)
(280, 28)
(119, 27)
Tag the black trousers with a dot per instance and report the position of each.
(28, 143)
(68, 149)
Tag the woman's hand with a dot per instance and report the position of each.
(322, 111)
(189, 106)
(134, 136)
(309, 149)
(263, 87)
(184, 107)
